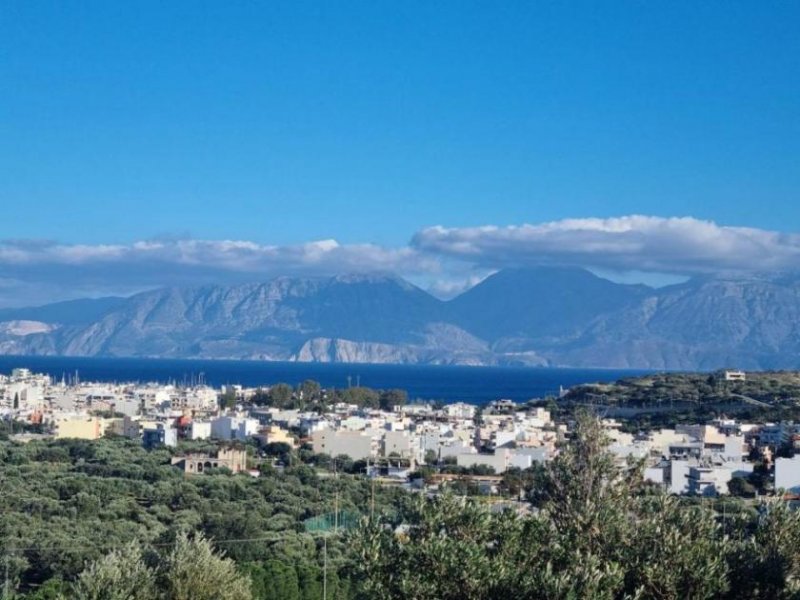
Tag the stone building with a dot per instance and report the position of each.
(228, 458)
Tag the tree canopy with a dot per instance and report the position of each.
(597, 532)
(106, 520)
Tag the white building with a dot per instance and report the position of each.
(154, 397)
(355, 444)
(524, 458)
(706, 477)
(159, 434)
(20, 374)
(460, 410)
(656, 474)
(200, 430)
(199, 398)
(21, 395)
(310, 424)
(679, 476)
(499, 460)
(403, 443)
(233, 428)
(456, 449)
(128, 406)
(708, 480)
(735, 376)
(661, 440)
(787, 474)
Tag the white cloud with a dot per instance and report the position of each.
(235, 255)
(631, 243)
(444, 260)
(147, 264)
(448, 287)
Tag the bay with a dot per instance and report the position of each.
(476, 385)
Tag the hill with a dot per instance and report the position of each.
(541, 316)
(665, 399)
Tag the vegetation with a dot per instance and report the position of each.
(598, 532)
(310, 395)
(191, 570)
(106, 520)
(665, 399)
(68, 504)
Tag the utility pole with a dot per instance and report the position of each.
(335, 498)
(325, 567)
(6, 582)
(372, 493)
(336, 511)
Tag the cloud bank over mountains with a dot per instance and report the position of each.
(446, 260)
(669, 245)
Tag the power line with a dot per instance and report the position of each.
(72, 542)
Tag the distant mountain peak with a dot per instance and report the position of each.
(554, 315)
(372, 278)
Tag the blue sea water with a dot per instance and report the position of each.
(476, 385)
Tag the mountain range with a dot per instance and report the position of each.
(537, 316)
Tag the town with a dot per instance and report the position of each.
(413, 445)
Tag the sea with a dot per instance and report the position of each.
(476, 385)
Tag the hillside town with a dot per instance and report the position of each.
(455, 440)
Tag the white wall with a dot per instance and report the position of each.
(201, 430)
(679, 471)
(354, 444)
(787, 474)
(499, 460)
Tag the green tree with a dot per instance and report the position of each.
(228, 399)
(605, 538)
(739, 486)
(767, 564)
(280, 395)
(120, 575)
(260, 398)
(13, 565)
(310, 580)
(676, 552)
(360, 396)
(282, 580)
(552, 406)
(431, 457)
(391, 398)
(785, 450)
(452, 549)
(193, 571)
(310, 390)
(586, 496)
(597, 534)
(344, 463)
(274, 580)
(53, 589)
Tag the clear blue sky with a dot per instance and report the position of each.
(282, 122)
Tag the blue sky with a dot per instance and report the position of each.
(367, 122)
